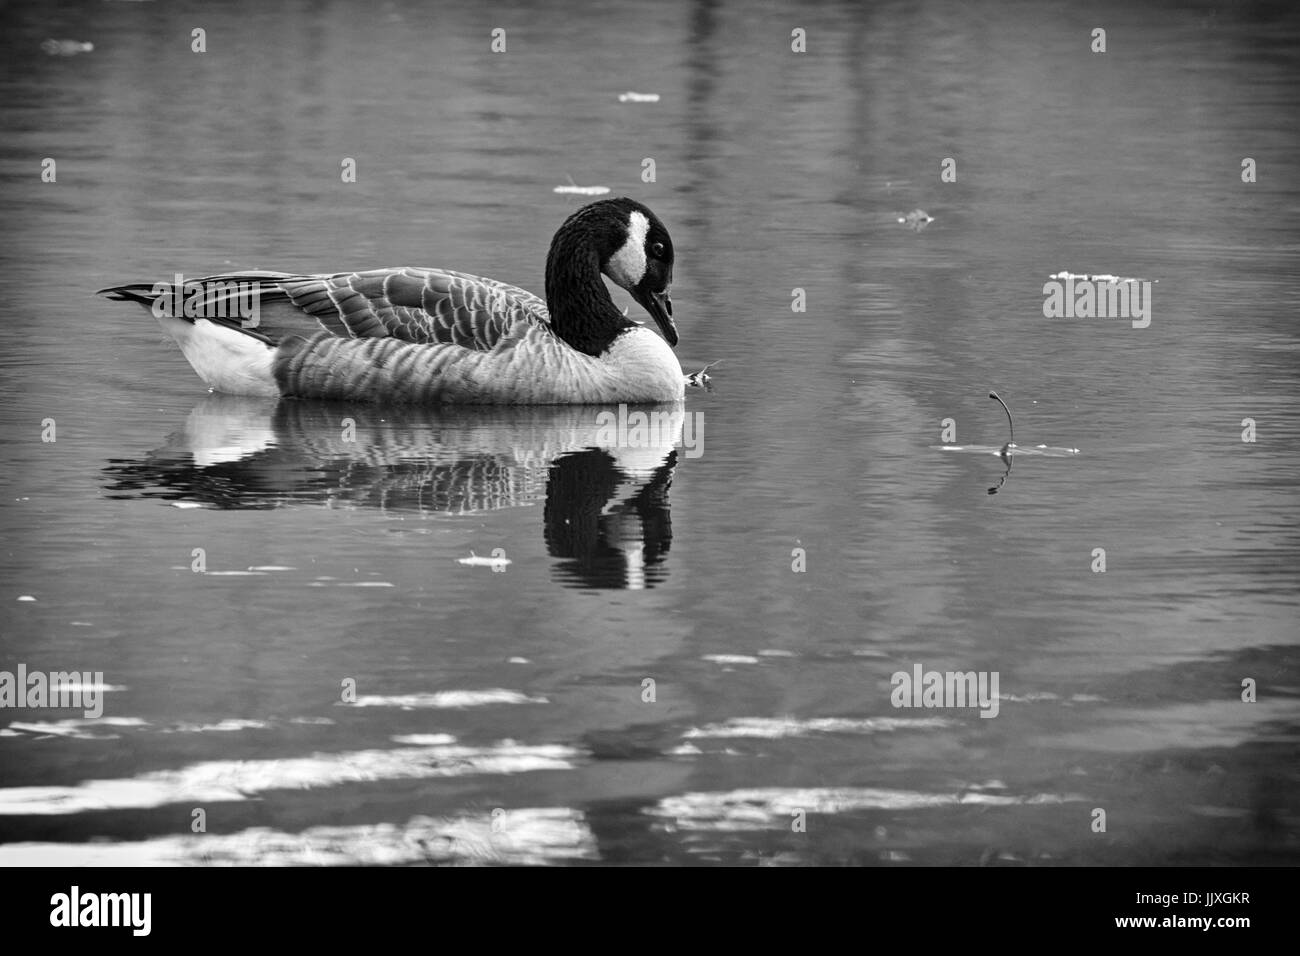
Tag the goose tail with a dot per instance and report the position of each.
(229, 355)
(142, 292)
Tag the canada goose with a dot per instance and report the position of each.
(432, 336)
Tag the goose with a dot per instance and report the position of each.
(432, 336)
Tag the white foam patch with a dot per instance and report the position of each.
(229, 725)
(767, 807)
(239, 780)
(776, 727)
(627, 266)
(519, 837)
(446, 699)
(730, 658)
(78, 728)
(575, 190)
(424, 740)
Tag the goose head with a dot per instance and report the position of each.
(625, 241)
(643, 262)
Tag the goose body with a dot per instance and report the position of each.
(433, 336)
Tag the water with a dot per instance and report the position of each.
(504, 715)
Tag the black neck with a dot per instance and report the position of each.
(582, 313)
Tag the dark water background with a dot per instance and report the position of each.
(502, 716)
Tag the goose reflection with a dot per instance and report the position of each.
(605, 493)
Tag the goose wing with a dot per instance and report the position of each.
(415, 305)
(421, 306)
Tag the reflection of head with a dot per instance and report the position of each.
(613, 530)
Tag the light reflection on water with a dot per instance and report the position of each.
(332, 561)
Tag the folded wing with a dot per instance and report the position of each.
(414, 305)
(420, 306)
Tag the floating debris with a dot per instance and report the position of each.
(1010, 422)
(66, 47)
(630, 97)
(1045, 451)
(474, 561)
(1010, 450)
(573, 189)
(1099, 277)
(582, 190)
(917, 219)
(701, 379)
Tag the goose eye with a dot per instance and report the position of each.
(657, 250)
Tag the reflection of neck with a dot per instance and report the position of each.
(582, 313)
(613, 531)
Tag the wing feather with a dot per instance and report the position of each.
(419, 306)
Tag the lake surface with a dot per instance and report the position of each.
(689, 656)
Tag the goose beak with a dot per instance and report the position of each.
(660, 306)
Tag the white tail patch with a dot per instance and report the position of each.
(227, 360)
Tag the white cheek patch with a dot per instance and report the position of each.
(627, 266)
